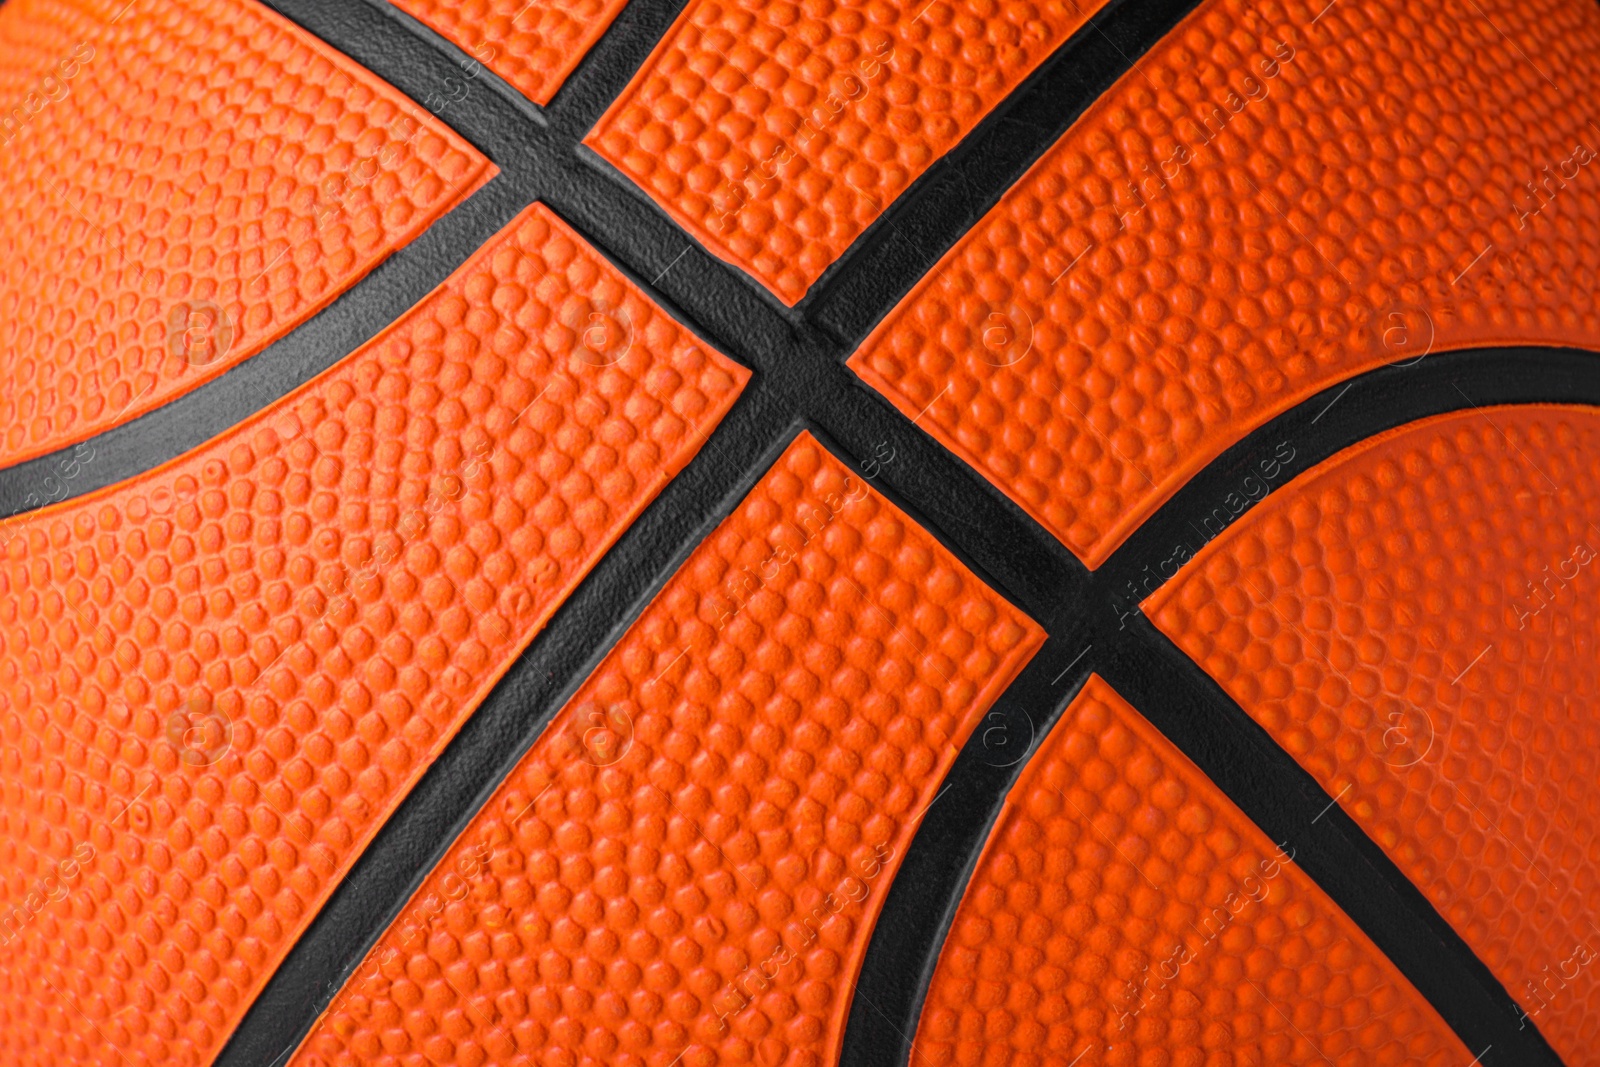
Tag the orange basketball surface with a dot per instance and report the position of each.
(592, 628)
(1415, 622)
(1259, 209)
(533, 44)
(218, 679)
(1123, 911)
(184, 183)
(776, 133)
(687, 865)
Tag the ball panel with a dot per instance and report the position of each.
(1125, 911)
(217, 680)
(184, 185)
(1262, 208)
(687, 865)
(1414, 621)
(532, 45)
(775, 134)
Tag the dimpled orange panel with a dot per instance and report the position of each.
(776, 132)
(1415, 621)
(1125, 912)
(1278, 196)
(533, 44)
(217, 680)
(184, 182)
(686, 867)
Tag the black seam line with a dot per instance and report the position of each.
(464, 60)
(425, 67)
(188, 421)
(1101, 633)
(1343, 414)
(942, 204)
(866, 470)
(1281, 798)
(1249, 768)
(919, 909)
(430, 817)
(718, 301)
(603, 170)
(602, 75)
(542, 163)
(951, 196)
(415, 69)
(1029, 564)
(499, 732)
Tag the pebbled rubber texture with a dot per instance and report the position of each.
(533, 44)
(1261, 208)
(687, 865)
(1124, 911)
(184, 183)
(218, 679)
(1414, 621)
(775, 133)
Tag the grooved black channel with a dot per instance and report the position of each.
(352, 319)
(1335, 419)
(497, 734)
(953, 194)
(800, 379)
(1103, 632)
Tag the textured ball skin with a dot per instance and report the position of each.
(926, 532)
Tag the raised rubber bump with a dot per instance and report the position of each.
(687, 865)
(216, 680)
(184, 183)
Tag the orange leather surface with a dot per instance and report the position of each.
(1415, 621)
(219, 678)
(533, 44)
(1277, 196)
(1125, 912)
(183, 183)
(775, 133)
(687, 865)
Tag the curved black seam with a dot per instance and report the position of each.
(1193, 711)
(721, 303)
(920, 908)
(354, 316)
(799, 376)
(882, 265)
(463, 60)
(499, 732)
(1284, 801)
(207, 411)
(1341, 415)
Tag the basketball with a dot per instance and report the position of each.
(799, 533)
